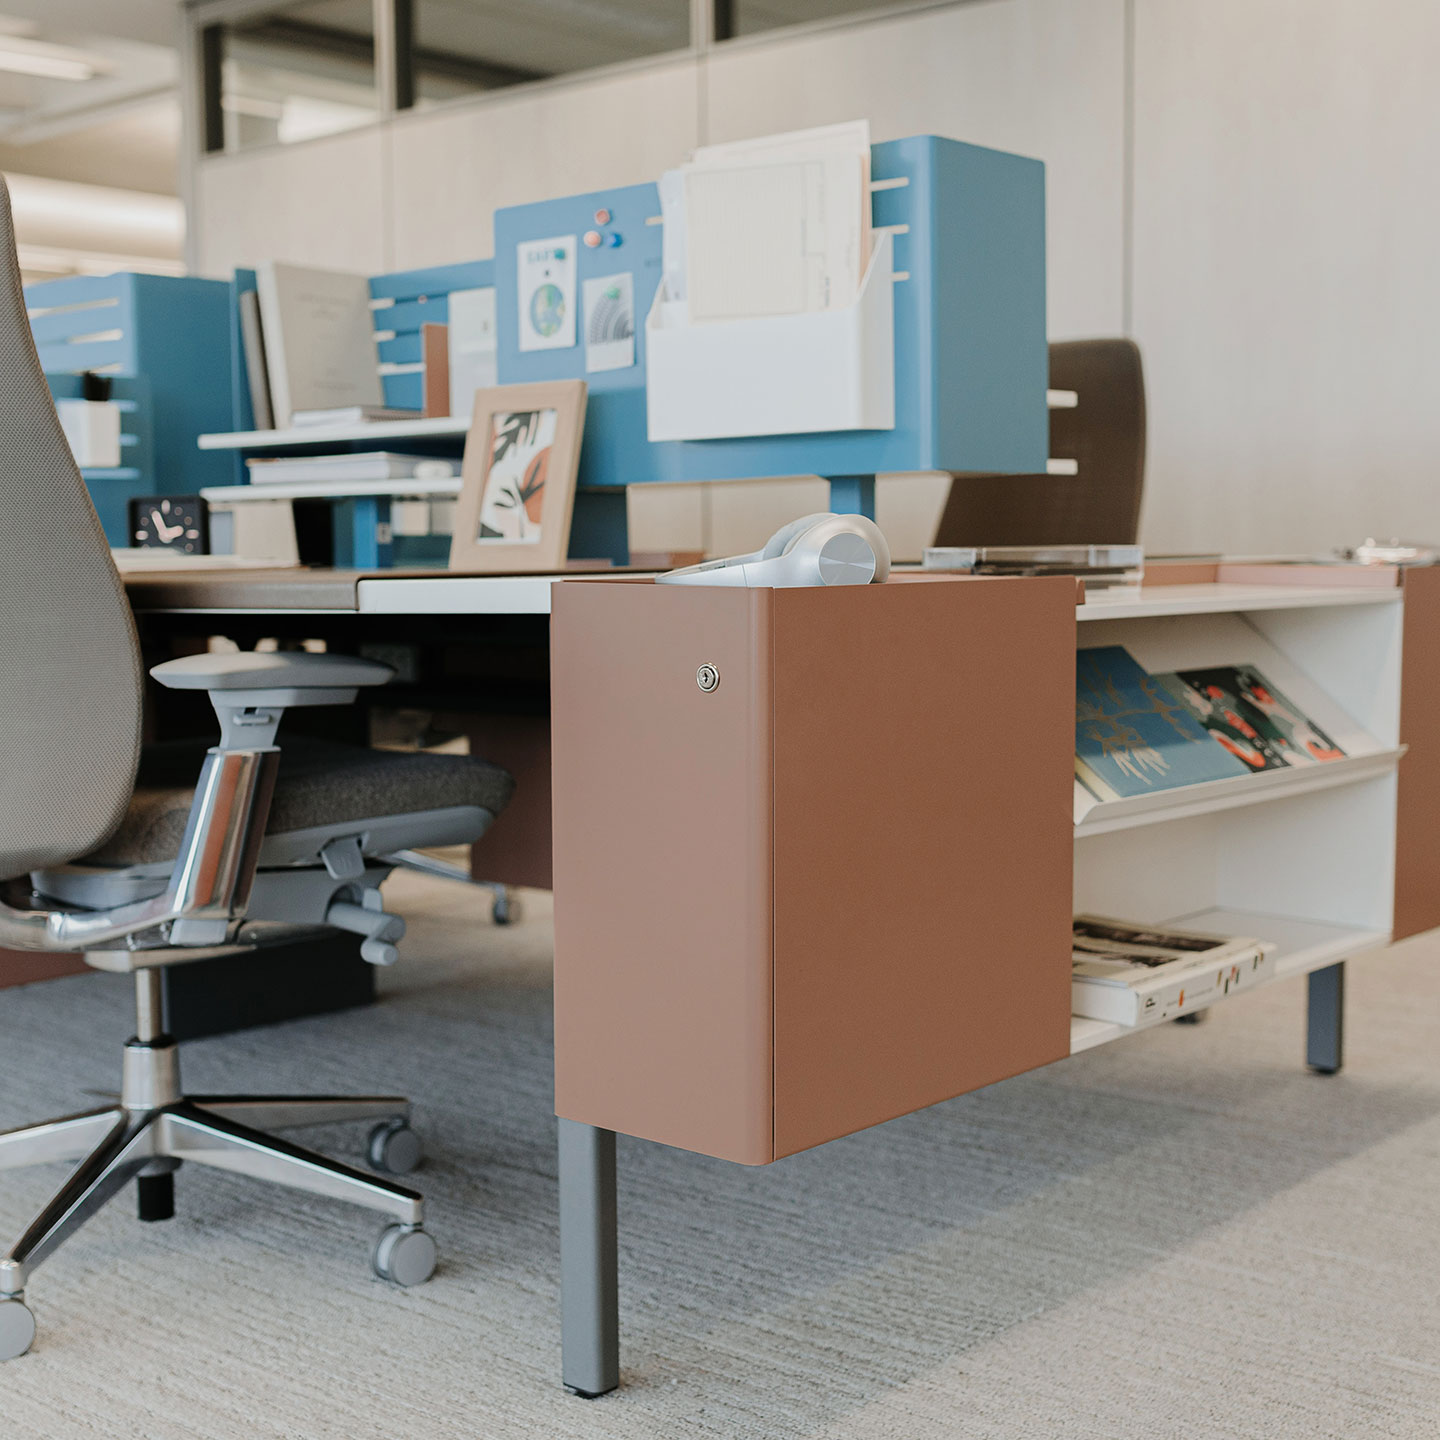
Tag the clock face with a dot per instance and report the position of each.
(170, 522)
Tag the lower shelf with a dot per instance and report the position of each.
(1302, 946)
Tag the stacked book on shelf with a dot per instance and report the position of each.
(347, 469)
(1138, 733)
(1138, 975)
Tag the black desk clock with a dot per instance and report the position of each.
(170, 522)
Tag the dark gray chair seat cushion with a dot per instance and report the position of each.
(320, 783)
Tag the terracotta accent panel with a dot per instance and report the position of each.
(1417, 809)
(663, 929)
(1180, 572)
(516, 848)
(1357, 577)
(924, 777)
(24, 967)
(435, 355)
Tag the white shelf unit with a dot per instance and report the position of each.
(305, 437)
(1305, 857)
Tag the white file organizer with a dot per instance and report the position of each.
(775, 374)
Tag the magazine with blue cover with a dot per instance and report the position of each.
(1134, 735)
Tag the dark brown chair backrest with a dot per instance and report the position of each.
(1104, 433)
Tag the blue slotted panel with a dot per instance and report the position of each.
(420, 298)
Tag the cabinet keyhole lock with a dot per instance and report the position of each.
(707, 677)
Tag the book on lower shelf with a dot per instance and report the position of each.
(1137, 975)
(349, 415)
(1138, 733)
(348, 468)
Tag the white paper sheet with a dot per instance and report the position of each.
(610, 322)
(775, 226)
(474, 363)
(546, 273)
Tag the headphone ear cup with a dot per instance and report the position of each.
(780, 541)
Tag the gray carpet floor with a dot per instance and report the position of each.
(1182, 1234)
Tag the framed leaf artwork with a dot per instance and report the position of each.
(517, 489)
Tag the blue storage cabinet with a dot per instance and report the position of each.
(971, 359)
(163, 341)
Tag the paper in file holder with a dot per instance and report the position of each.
(821, 371)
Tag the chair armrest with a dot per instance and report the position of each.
(250, 691)
(272, 670)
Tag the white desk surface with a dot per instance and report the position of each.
(530, 595)
(441, 593)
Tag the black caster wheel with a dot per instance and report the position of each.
(506, 909)
(394, 1148)
(404, 1255)
(17, 1328)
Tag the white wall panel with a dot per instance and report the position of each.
(1041, 77)
(322, 203)
(453, 168)
(1287, 297)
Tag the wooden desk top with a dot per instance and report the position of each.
(279, 589)
(375, 592)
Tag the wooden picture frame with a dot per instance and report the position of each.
(517, 490)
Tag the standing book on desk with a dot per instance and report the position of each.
(1251, 718)
(1134, 736)
(257, 375)
(1140, 975)
(319, 340)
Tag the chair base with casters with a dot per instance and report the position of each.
(264, 845)
(155, 1128)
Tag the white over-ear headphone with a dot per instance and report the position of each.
(814, 550)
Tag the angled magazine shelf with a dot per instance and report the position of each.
(1198, 639)
(1097, 817)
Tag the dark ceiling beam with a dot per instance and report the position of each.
(353, 45)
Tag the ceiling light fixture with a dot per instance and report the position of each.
(48, 62)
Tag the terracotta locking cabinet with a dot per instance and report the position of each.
(829, 890)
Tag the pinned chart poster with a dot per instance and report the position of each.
(610, 322)
(545, 270)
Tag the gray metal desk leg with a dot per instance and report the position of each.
(589, 1287)
(1325, 1028)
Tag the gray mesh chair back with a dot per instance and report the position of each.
(1105, 433)
(70, 683)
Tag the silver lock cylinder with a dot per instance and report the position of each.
(707, 677)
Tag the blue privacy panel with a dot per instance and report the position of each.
(971, 363)
(418, 297)
(164, 341)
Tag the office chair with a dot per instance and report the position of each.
(1105, 433)
(123, 853)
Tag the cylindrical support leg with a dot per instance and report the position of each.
(589, 1283)
(1325, 1020)
(149, 1009)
